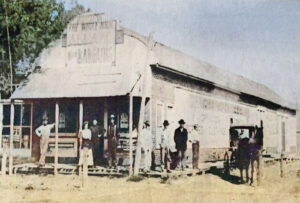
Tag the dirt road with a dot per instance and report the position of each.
(204, 188)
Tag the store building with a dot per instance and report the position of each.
(93, 69)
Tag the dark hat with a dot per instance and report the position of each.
(181, 121)
(166, 122)
(147, 123)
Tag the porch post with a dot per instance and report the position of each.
(56, 138)
(21, 124)
(1, 123)
(31, 126)
(79, 134)
(4, 149)
(80, 114)
(12, 114)
(105, 124)
(142, 109)
(130, 133)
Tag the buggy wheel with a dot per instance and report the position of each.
(226, 164)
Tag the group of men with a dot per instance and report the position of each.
(173, 146)
(177, 154)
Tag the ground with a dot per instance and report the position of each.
(211, 187)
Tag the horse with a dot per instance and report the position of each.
(248, 152)
(255, 147)
(243, 158)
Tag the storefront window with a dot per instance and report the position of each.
(21, 127)
(68, 117)
(93, 110)
(6, 125)
(119, 107)
(124, 120)
(44, 110)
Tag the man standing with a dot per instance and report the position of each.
(194, 139)
(146, 145)
(112, 142)
(97, 134)
(180, 138)
(165, 147)
(44, 132)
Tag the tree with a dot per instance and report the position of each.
(32, 25)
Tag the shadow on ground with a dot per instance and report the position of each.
(230, 178)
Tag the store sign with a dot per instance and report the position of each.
(91, 41)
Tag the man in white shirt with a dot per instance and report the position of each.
(146, 144)
(165, 146)
(44, 132)
(195, 140)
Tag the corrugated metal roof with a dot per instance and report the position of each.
(68, 82)
(178, 61)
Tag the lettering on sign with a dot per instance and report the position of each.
(90, 40)
(90, 54)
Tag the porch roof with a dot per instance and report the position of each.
(74, 83)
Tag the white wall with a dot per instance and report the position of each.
(213, 115)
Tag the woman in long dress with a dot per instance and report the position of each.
(85, 137)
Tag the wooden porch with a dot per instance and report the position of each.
(67, 169)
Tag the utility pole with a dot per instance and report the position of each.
(142, 109)
(130, 132)
(9, 50)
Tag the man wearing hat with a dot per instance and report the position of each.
(44, 132)
(112, 142)
(97, 141)
(195, 140)
(146, 145)
(165, 146)
(180, 138)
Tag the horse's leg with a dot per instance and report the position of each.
(258, 170)
(247, 173)
(252, 171)
(241, 171)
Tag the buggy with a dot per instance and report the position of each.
(235, 135)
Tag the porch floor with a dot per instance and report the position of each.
(34, 168)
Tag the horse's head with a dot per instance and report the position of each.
(259, 136)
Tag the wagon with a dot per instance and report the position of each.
(235, 134)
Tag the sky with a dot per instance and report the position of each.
(258, 39)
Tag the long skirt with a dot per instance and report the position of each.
(88, 153)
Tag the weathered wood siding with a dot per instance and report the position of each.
(212, 108)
